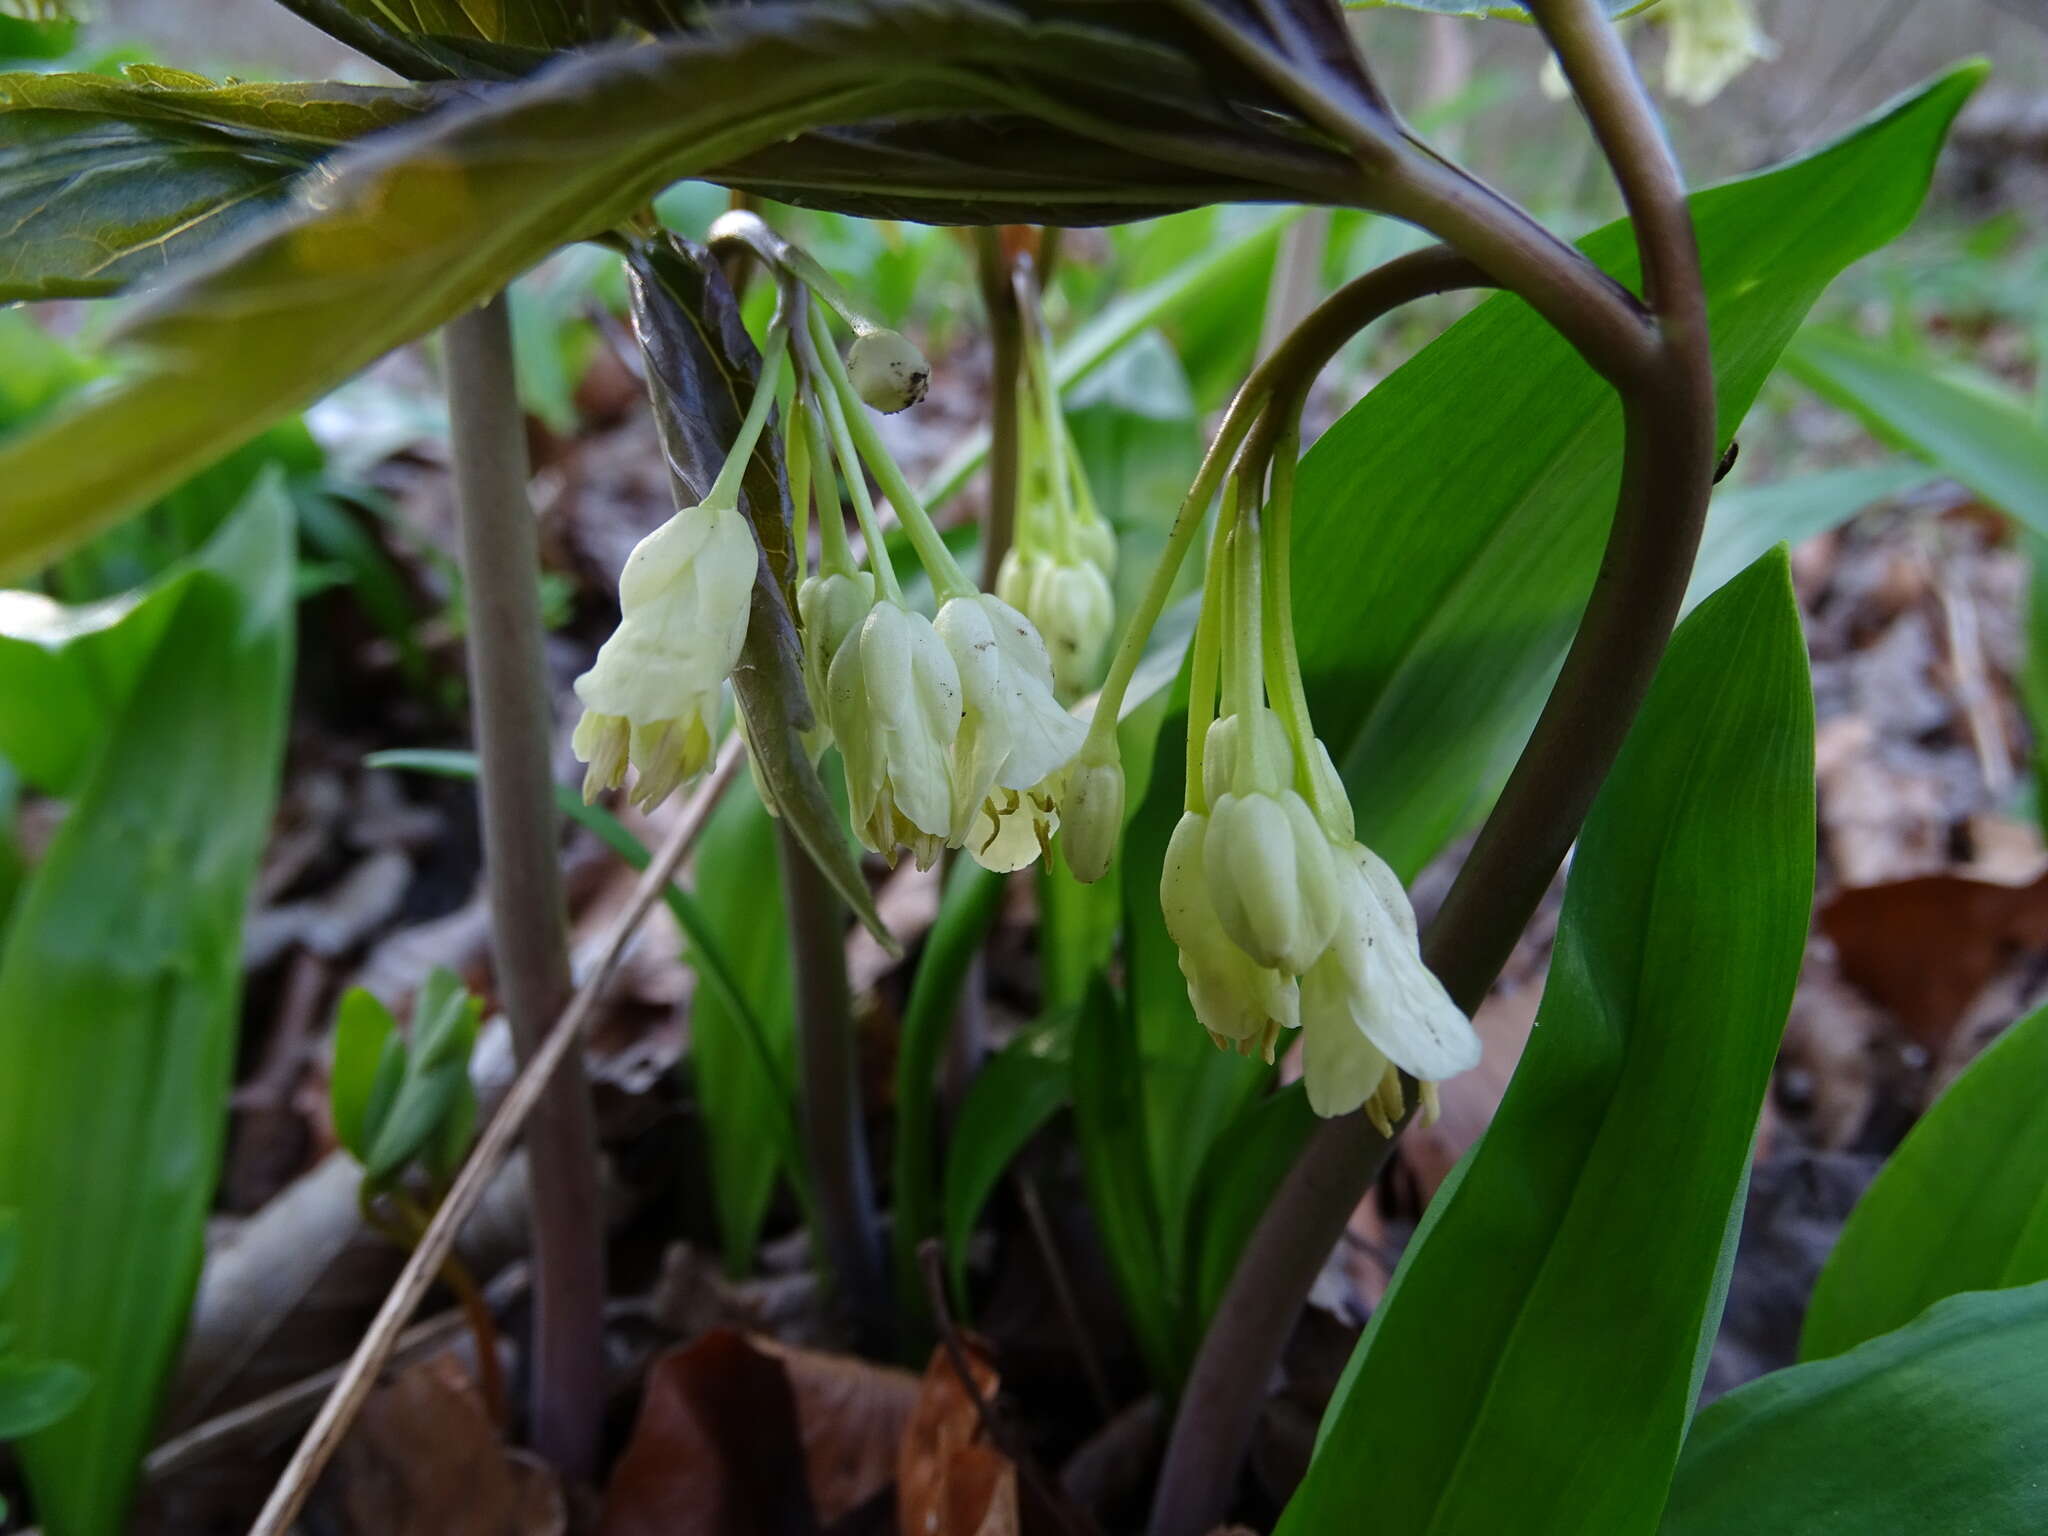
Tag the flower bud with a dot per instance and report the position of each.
(894, 700)
(1272, 878)
(832, 607)
(1096, 541)
(1092, 814)
(888, 372)
(1075, 611)
(1242, 1004)
(1332, 803)
(1272, 757)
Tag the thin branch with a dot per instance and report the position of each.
(1667, 476)
(1064, 1294)
(491, 1150)
(523, 875)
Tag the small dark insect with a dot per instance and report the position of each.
(1727, 462)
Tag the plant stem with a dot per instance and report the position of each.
(843, 1191)
(1006, 341)
(1667, 475)
(529, 927)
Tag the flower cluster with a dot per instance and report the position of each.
(948, 727)
(1058, 569)
(1283, 919)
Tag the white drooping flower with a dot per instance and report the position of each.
(1014, 738)
(1370, 1006)
(893, 694)
(1241, 1003)
(1712, 41)
(652, 696)
(1272, 879)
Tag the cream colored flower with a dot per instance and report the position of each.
(1242, 1004)
(1712, 41)
(1370, 1005)
(652, 696)
(832, 607)
(894, 699)
(1093, 812)
(1014, 737)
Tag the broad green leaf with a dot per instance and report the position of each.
(742, 1100)
(1109, 1123)
(120, 986)
(966, 913)
(369, 1059)
(24, 37)
(1966, 426)
(2033, 672)
(701, 367)
(107, 182)
(404, 232)
(34, 1394)
(1961, 1206)
(1934, 1430)
(1570, 1289)
(1009, 1102)
(1450, 525)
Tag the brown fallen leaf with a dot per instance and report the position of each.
(424, 1460)
(851, 1415)
(950, 1481)
(716, 1451)
(1470, 1099)
(1924, 948)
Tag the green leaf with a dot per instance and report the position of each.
(106, 182)
(10, 1251)
(34, 1394)
(1967, 426)
(746, 1097)
(369, 1060)
(967, 911)
(1009, 1102)
(120, 987)
(434, 1080)
(1566, 1297)
(1109, 1122)
(21, 38)
(1934, 1430)
(404, 232)
(701, 367)
(1961, 1206)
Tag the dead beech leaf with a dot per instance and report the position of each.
(950, 1481)
(851, 1415)
(1470, 1099)
(424, 1460)
(1924, 948)
(716, 1450)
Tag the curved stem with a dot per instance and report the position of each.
(1305, 352)
(529, 922)
(1667, 476)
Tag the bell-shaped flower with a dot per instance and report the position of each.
(894, 700)
(1712, 41)
(1242, 1004)
(1092, 811)
(833, 607)
(652, 696)
(1370, 999)
(1013, 735)
(1011, 828)
(1272, 877)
